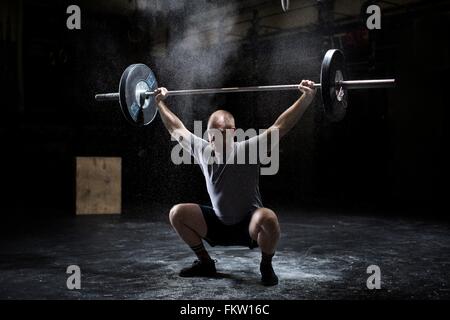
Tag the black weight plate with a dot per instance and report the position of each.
(135, 79)
(334, 98)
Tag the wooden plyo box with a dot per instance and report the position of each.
(98, 185)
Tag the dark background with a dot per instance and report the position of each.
(388, 155)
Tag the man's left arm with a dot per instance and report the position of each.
(286, 121)
(289, 118)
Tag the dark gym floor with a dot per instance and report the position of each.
(321, 256)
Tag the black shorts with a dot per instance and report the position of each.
(219, 234)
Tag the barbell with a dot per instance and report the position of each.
(137, 90)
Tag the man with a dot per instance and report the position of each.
(237, 215)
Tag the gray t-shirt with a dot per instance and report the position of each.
(233, 186)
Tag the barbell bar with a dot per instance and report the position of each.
(138, 85)
(349, 85)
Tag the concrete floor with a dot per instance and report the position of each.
(321, 256)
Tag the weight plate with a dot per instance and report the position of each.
(136, 79)
(334, 97)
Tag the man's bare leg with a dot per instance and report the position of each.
(188, 222)
(265, 229)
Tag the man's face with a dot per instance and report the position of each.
(221, 133)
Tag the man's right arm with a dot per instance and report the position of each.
(172, 123)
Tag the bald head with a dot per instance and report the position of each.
(221, 125)
(221, 119)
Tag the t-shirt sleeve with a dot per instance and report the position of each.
(259, 148)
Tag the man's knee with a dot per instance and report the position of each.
(268, 219)
(184, 213)
(176, 213)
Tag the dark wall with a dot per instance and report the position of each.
(389, 152)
